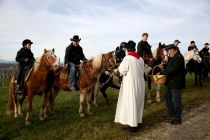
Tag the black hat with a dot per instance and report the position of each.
(177, 41)
(75, 38)
(170, 46)
(122, 45)
(26, 41)
(206, 44)
(192, 42)
(130, 45)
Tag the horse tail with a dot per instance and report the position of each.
(10, 105)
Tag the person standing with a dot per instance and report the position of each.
(73, 55)
(132, 91)
(25, 58)
(175, 82)
(120, 53)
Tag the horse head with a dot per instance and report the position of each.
(196, 56)
(108, 61)
(51, 59)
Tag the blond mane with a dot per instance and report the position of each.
(97, 61)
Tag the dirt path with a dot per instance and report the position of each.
(195, 126)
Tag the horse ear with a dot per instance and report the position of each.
(45, 50)
(53, 50)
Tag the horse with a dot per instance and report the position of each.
(106, 79)
(160, 56)
(193, 63)
(36, 83)
(89, 72)
(61, 81)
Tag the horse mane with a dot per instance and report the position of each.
(154, 53)
(97, 61)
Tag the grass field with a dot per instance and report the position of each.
(65, 123)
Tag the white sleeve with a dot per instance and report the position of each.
(124, 66)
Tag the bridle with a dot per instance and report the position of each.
(47, 62)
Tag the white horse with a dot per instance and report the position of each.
(193, 54)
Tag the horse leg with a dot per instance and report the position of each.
(20, 103)
(200, 79)
(103, 91)
(196, 79)
(89, 103)
(158, 93)
(15, 102)
(149, 101)
(29, 108)
(43, 106)
(95, 92)
(82, 100)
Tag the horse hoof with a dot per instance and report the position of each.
(149, 101)
(82, 115)
(28, 123)
(41, 118)
(16, 115)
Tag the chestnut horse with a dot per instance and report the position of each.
(89, 72)
(37, 82)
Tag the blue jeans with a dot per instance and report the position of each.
(173, 103)
(72, 74)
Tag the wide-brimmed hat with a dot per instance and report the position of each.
(170, 46)
(206, 44)
(26, 41)
(75, 38)
(177, 41)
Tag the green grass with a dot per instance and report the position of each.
(65, 123)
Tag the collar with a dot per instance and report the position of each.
(134, 54)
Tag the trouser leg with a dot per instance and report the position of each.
(176, 97)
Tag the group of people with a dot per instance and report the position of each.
(131, 66)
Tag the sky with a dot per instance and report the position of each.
(102, 25)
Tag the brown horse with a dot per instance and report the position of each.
(89, 72)
(61, 81)
(37, 82)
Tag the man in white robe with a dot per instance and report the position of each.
(130, 103)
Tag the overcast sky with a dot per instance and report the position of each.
(102, 25)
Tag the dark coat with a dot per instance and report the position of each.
(175, 72)
(119, 54)
(192, 47)
(74, 54)
(25, 57)
(144, 49)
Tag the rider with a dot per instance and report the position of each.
(192, 46)
(176, 42)
(25, 59)
(73, 55)
(144, 49)
(205, 57)
(120, 52)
